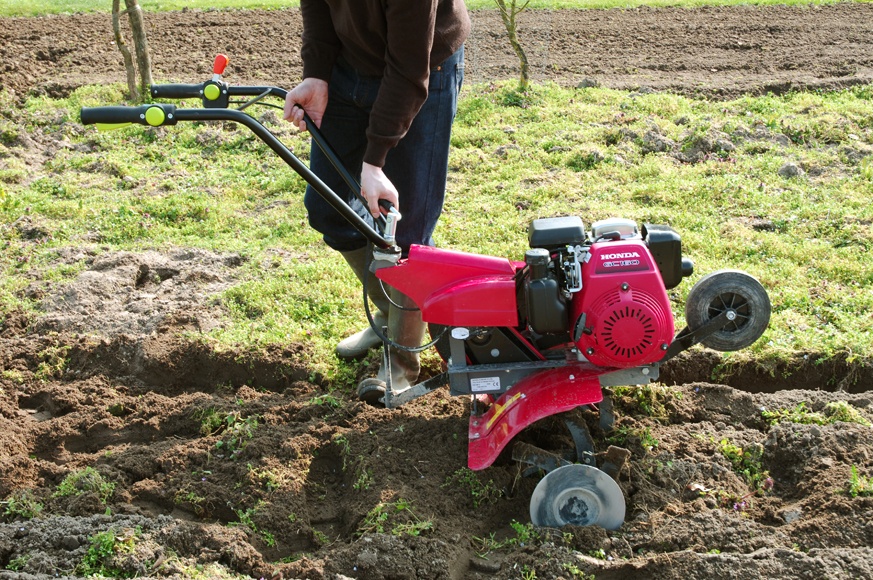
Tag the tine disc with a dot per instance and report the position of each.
(578, 495)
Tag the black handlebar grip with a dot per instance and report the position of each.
(154, 115)
(176, 91)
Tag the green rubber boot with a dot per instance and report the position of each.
(357, 345)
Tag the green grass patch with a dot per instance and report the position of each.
(87, 480)
(553, 151)
(834, 412)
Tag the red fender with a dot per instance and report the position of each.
(533, 398)
(457, 288)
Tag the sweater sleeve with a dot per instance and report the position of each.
(410, 34)
(320, 44)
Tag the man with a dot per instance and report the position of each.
(381, 81)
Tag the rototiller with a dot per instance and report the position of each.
(586, 309)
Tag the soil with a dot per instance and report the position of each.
(183, 439)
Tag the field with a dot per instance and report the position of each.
(140, 437)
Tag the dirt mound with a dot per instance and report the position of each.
(128, 450)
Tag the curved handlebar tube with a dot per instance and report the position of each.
(157, 115)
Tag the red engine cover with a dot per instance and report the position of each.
(627, 316)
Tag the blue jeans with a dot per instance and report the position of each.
(417, 166)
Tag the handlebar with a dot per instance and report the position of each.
(214, 95)
(153, 115)
(177, 91)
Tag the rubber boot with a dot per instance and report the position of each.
(357, 345)
(406, 328)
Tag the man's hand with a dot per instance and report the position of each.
(311, 95)
(375, 185)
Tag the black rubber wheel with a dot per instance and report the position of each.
(729, 290)
(372, 391)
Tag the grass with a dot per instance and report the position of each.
(105, 546)
(833, 412)
(396, 518)
(553, 151)
(41, 7)
(87, 480)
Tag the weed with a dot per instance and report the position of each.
(268, 538)
(12, 375)
(481, 493)
(643, 434)
(859, 485)
(98, 560)
(247, 519)
(86, 480)
(650, 400)
(524, 535)
(18, 563)
(799, 414)
(197, 502)
(396, 518)
(576, 572)
(841, 411)
(53, 362)
(320, 538)
(269, 478)
(236, 432)
(746, 462)
(364, 480)
(484, 546)
(22, 505)
(326, 400)
(345, 447)
(835, 411)
(528, 573)
(211, 421)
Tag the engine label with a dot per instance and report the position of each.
(484, 384)
(628, 261)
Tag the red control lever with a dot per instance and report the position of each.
(220, 64)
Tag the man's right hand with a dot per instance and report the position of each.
(310, 96)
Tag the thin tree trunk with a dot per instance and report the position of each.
(125, 53)
(140, 44)
(511, 23)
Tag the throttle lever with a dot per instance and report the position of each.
(218, 66)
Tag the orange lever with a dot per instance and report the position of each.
(220, 64)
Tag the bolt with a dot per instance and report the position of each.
(665, 346)
(731, 314)
(625, 287)
(589, 350)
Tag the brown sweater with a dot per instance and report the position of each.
(397, 40)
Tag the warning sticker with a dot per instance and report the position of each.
(485, 384)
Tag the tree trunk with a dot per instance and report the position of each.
(125, 53)
(140, 44)
(511, 23)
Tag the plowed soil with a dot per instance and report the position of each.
(289, 483)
